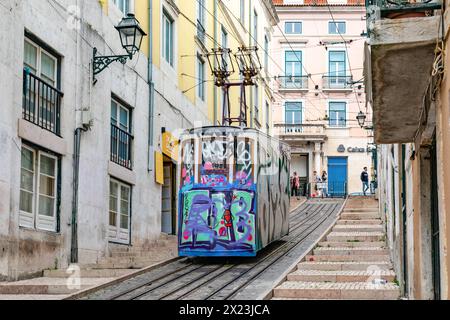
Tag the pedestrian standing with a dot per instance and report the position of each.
(316, 180)
(365, 180)
(295, 184)
(325, 183)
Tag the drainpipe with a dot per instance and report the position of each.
(151, 86)
(76, 171)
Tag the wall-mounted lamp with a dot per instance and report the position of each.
(361, 117)
(131, 35)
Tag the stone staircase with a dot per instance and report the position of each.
(126, 257)
(121, 261)
(352, 263)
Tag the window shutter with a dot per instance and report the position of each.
(26, 219)
(46, 192)
(27, 188)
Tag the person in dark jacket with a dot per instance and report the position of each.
(365, 180)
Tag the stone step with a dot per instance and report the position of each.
(358, 228)
(362, 210)
(136, 260)
(350, 251)
(51, 286)
(359, 216)
(22, 297)
(120, 265)
(337, 290)
(339, 258)
(365, 222)
(341, 276)
(88, 273)
(345, 265)
(355, 236)
(352, 244)
(137, 254)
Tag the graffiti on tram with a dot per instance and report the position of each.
(218, 215)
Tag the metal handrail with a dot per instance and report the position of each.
(337, 82)
(121, 147)
(293, 82)
(306, 128)
(41, 103)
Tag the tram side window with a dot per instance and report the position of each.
(188, 163)
(244, 161)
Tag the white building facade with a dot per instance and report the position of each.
(319, 50)
(77, 180)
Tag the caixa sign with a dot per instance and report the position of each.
(342, 149)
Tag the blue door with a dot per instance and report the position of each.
(337, 176)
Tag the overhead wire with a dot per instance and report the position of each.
(268, 54)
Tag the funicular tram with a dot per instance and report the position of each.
(234, 180)
(234, 192)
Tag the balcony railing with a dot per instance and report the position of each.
(337, 82)
(201, 31)
(121, 147)
(294, 82)
(41, 103)
(302, 129)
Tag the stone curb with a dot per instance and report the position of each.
(283, 277)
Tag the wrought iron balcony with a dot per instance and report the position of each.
(308, 131)
(337, 82)
(41, 103)
(294, 82)
(121, 147)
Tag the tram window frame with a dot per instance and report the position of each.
(250, 143)
(182, 162)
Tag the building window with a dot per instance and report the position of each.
(201, 77)
(266, 53)
(267, 117)
(256, 101)
(121, 138)
(38, 189)
(242, 11)
(336, 70)
(293, 69)
(201, 31)
(338, 114)
(293, 27)
(336, 27)
(119, 211)
(224, 44)
(255, 28)
(41, 99)
(168, 41)
(123, 5)
(293, 116)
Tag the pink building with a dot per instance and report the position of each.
(319, 89)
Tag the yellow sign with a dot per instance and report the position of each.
(170, 146)
(159, 167)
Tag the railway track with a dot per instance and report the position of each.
(216, 278)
